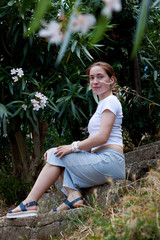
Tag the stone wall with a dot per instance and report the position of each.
(46, 224)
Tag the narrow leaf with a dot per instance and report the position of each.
(11, 88)
(74, 111)
(155, 75)
(141, 24)
(3, 110)
(68, 35)
(40, 10)
(100, 29)
(16, 112)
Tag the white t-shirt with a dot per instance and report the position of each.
(113, 104)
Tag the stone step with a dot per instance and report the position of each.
(46, 224)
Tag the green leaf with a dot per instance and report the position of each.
(74, 111)
(34, 81)
(3, 111)
(95, 97)
(34, 115)
(141, 24)
(62, 109)
(27, 113)
(50, 106)
(13, 102)
(4, 126)
(1, 78)
(53, 105)
(11, 3)
(21, 114)
(68, 35)
(100, 29)
(25, 49)
(25, 5)
(11, 88)
(16, 112)
(23, 84)
(33, 124)
(87, 53)
(62, 99)
(155, 75)
(40, 10)
(78, 52)
(74, 45)
(80, 110)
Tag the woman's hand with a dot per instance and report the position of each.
(63, 150)
(45, 154)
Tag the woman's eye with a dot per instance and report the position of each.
(100, 77)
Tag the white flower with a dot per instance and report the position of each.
(36, 107)
(15, 78)
(43, 105)
(39, 102)
(34, 101)
(13, 71)
(111, 5)
(20, 72)
(38, 94)
(24, 106)
(52, 32)
(83, 22)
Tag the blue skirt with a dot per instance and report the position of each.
(84, 169)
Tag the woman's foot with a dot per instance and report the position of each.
(74, 200)
(23, 210)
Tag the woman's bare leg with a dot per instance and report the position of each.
(46, 178)
(72, 195)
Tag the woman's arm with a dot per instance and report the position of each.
(100, 138)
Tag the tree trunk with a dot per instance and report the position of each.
(135, 76)
(18, 169)
(38, 143)
(23, 152)
(26, 164)
(136, 133)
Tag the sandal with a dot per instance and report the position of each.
(70, 204)
(24, 212)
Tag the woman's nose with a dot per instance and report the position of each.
(95, 80)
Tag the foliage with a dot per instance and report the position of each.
(11, 189)
(135, 217)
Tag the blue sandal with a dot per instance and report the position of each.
(24, 212)
(70, 204)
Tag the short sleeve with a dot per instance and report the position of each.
(110, 103)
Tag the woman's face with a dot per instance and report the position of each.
(100, 82)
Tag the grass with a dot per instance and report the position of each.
(135, 217)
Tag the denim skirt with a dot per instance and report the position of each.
(84, 169)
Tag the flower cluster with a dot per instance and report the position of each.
(39, 102)
(110, 6)
(81, 23)
(53, 30)
(17, 74)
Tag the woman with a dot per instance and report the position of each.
(89, 162)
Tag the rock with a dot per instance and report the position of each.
(46, 224)
(106, 194)
(41, 227)
(146, 152)
(138, 170)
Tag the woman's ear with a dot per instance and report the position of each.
(112, 79)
